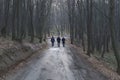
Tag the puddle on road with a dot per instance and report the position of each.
(53, 49)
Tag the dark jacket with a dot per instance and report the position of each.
(58, 39)
(52, 39)
(63, 40)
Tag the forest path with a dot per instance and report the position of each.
(56, 63)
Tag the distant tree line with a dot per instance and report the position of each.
(59, 18)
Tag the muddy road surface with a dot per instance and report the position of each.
(54, 63)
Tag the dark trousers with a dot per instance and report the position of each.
(58, 44)
(52, 44)
(63, 44)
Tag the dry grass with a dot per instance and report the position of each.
(101, 66)
(8, 46)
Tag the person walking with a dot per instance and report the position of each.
(63, 41)
(58, 41)
(52, 41)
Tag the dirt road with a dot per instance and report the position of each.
(56, 63)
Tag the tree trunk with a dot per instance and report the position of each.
(89, 26)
